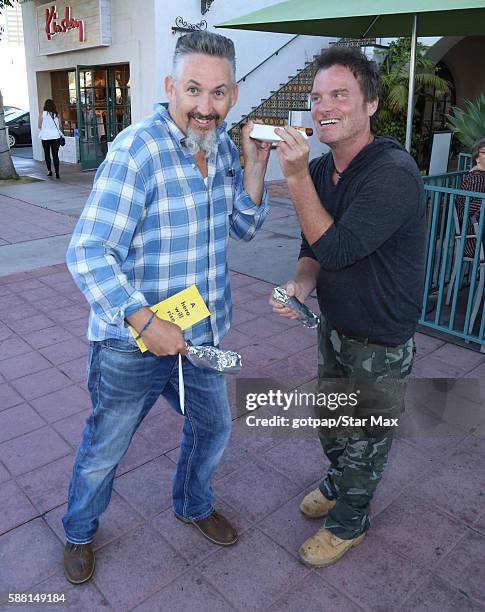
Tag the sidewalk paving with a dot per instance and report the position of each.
(425, 550)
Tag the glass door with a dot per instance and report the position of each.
(103, 110)
(119, 83)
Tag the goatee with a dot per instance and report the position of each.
(201, 141)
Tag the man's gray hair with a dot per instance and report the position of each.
(207, 43)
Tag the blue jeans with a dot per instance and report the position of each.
(124, 384)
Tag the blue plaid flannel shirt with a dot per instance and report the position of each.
(152, 227)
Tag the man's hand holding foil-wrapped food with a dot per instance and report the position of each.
(300, 287)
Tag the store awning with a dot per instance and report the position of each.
(361, 19)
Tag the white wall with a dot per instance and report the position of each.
(13, 76)
(13, 72)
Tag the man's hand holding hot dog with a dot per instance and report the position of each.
(256, 155)
(293, 153)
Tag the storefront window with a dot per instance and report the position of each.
(72, 87)
(63, 83)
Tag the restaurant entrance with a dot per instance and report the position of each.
(103, 109)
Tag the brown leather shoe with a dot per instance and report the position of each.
(215, 528)
(78, 562)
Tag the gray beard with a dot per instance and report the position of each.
(205, 142)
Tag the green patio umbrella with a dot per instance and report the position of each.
(371, 19)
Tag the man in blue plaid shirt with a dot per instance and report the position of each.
(164, 202)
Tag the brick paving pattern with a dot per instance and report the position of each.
(425, 550)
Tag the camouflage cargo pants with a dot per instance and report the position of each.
(358, 454)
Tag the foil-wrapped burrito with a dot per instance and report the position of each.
(211, 358)
(305, 315)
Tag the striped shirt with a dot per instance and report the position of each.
(152, 227)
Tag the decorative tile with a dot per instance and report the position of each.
(288, 526)
(4, 474)
(308, 462)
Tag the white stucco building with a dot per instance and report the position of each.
(13, 72)
(103, 61)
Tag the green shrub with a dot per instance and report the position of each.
(468, 123)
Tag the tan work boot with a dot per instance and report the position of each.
(315, 504)
(324, 548)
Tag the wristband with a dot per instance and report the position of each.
(146, 326)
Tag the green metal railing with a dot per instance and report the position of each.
(464, 161)
(454, 283)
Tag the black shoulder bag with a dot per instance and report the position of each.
(61, 135)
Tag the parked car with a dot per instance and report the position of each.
(10, 109)
(18, 124)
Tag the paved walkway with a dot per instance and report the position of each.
(425, 551)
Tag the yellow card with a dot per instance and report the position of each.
(185, 308)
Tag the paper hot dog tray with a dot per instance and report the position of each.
(266, 133)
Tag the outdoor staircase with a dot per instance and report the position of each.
(274, 110)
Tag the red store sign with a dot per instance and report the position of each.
(55, 26)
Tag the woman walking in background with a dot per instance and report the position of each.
(50, 134)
